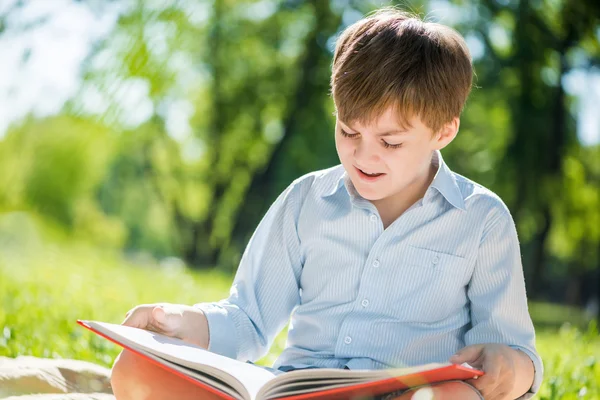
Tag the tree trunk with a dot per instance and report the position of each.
(538, 261)
(197, 251)
(598, 287)
(260, 192)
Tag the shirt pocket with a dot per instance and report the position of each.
(434, 260)
(428, 285)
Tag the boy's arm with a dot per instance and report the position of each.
(499, 312)
(266, 286)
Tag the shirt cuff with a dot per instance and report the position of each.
(222, 332)
(538, 372)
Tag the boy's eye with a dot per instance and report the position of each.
(391, 146)
(348, 135)
(385, 144)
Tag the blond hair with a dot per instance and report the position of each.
(392, 58)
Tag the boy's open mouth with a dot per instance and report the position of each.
(368, 175)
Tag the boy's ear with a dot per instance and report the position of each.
(446, 134)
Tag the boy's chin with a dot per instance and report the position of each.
(371, 195)
(374, 198)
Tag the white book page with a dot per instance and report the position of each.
(286, 389)
(245, 378)
(315, 379)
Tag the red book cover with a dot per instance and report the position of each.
(357, 390)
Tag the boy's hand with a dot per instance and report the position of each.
(508, 372)
(176, 320)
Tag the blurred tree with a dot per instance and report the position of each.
(306, 141)
(529, 48)
(193, 116)
(52, 169)
(253, 57)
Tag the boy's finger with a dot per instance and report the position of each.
(137, 317)
(166, 318)
(467, 354)
(487, 383)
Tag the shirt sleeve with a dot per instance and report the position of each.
(499, 311)
(265, 289)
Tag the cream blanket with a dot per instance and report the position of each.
(31, 378)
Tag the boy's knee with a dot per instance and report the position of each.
(442, 391)
(135, 378)
(447, 391)
(125, 376)
(118, 374)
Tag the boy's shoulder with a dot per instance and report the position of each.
(479, 199)
(320, 182)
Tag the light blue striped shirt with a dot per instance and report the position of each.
(447, 273)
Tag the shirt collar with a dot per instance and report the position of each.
(444, 182)
(336, 184)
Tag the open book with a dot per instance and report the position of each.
(232, 379)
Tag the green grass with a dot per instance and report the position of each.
(45, 289)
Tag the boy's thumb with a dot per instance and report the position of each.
(467, 354)
(167, 318)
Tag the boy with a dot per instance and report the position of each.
(389, 259)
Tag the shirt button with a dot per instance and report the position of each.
(376, 264)
(373, 217)
(347, 340)
(365, 303)
(435, 260)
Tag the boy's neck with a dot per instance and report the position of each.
(391, 208)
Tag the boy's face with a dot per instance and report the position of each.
(383, 159)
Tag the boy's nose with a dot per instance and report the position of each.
(365, 154)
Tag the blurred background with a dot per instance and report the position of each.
(142, 141)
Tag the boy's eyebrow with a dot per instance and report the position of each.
(388, 133)
(391, 133)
